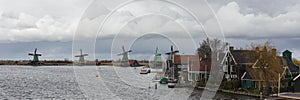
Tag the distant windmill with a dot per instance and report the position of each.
(81, 57)
(174, 70)
(170, 57)
(124, 60)
(157, 54)
(157, 64)
(172, 53)
(157, 57)
(35, 60)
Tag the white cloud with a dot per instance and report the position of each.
(26, 28)
(19, 27)
(236, 24)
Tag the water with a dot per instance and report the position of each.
(89, 82)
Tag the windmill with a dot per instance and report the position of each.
(157, 54)
(124, 60)
(172, 81)
(81, 57)
(157, 59)
(35, 60)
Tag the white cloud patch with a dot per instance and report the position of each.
(26, 28)
(251, 26)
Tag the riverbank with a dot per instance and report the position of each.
(61, 63)
(290, 95)
(44, 62)
(253, 95)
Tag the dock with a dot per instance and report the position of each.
(290, 95)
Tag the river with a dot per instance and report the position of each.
(90, 82)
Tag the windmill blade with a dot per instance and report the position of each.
(80, 51)
(78, 56)
(176, 51)
(123, 48)
(35, 50)
(156, 50)
(38, 54)
(120, 54)
(85, 55)
(30, 54)
(129, 51)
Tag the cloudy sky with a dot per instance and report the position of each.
(101, 27)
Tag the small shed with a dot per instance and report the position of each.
(133, 63)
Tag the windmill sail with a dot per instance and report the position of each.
(35, 60)
(124, 61)
(81, 58)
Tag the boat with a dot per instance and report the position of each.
(163, 80)
(172, 83)
(145, 70)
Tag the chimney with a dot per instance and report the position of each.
(274, 52)
(231, 48)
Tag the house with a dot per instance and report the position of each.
(248, 67)
(265, 72)
(235, 62)
(191, 67)
(294, 69)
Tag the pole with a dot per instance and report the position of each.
(278, 84)
(205, 74)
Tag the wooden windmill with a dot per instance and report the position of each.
(35, 60)
(124, 60)
(81, 57)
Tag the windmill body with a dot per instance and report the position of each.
(35, 60)
(81, 57)
(157, 63)
(173, 70)
(124, 61)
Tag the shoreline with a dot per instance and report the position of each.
(246, 94)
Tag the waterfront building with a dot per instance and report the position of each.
(192, 68)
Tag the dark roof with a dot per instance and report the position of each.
(244, 56)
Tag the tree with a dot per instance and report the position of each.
(210, 51)
(208, 46)
(204, 50)
(297, 62)
(267, 63)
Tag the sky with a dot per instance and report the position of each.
(59, 29)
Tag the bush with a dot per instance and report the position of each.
(230, 84)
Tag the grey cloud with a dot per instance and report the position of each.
(44, 22)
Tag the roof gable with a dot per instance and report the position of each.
(244, 56)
